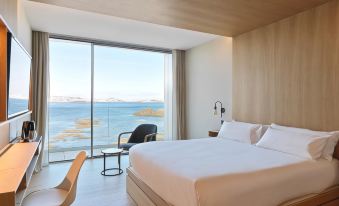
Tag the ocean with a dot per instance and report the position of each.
(70, 128)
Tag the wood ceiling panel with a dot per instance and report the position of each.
(222, 17)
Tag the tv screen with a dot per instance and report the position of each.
(19, 70)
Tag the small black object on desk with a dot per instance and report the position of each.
(28, 132)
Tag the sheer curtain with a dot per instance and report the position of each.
(40, 90)
(179, 95)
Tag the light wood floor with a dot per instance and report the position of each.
(93, 188)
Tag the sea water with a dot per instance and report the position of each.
(70, 126)
(69, 123)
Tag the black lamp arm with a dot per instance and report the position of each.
(222, 109)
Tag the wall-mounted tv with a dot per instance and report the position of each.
(19, 72)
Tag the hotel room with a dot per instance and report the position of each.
(169, 103)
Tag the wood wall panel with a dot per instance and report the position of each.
(3, 72)
(288, 72)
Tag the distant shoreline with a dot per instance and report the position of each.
(108, 102)
(61, 99)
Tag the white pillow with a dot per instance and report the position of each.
(331, 142)
(240, 131)
(292, 129)
(304, 145)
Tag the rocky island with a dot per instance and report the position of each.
(149, 112)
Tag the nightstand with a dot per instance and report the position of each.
(213, 133)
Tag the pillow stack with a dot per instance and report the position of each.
(300, 142)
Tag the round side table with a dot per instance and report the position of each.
(112, 152)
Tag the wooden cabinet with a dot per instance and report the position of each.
(3, 71)
(213, 133)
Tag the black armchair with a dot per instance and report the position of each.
(143, 133)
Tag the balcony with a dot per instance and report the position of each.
(70, 125)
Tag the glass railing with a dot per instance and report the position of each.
(70, 125)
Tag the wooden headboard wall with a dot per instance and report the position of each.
(288, 72)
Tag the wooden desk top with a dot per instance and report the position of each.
(13, 165)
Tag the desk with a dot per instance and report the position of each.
(17, 165)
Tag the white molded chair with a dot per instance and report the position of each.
(62, 195)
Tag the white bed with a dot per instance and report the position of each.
(215, 171)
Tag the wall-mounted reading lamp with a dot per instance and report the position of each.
(222, 110)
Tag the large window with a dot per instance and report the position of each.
(97, 92)
(128, 91)
(70, 96)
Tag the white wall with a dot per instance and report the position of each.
(15, 16)
(209, 78)
(24, 31)
(12, 128)
(8, 10)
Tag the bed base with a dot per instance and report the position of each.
(137, 194)
(141, 193)
(145, 196)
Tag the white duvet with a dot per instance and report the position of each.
(219, 172)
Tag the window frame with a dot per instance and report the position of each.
(96, 42)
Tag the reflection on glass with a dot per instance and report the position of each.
(19, 76)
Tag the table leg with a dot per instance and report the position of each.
(119, 155)
(104, 164)
(120, 171)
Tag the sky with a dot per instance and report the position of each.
(126, 74)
